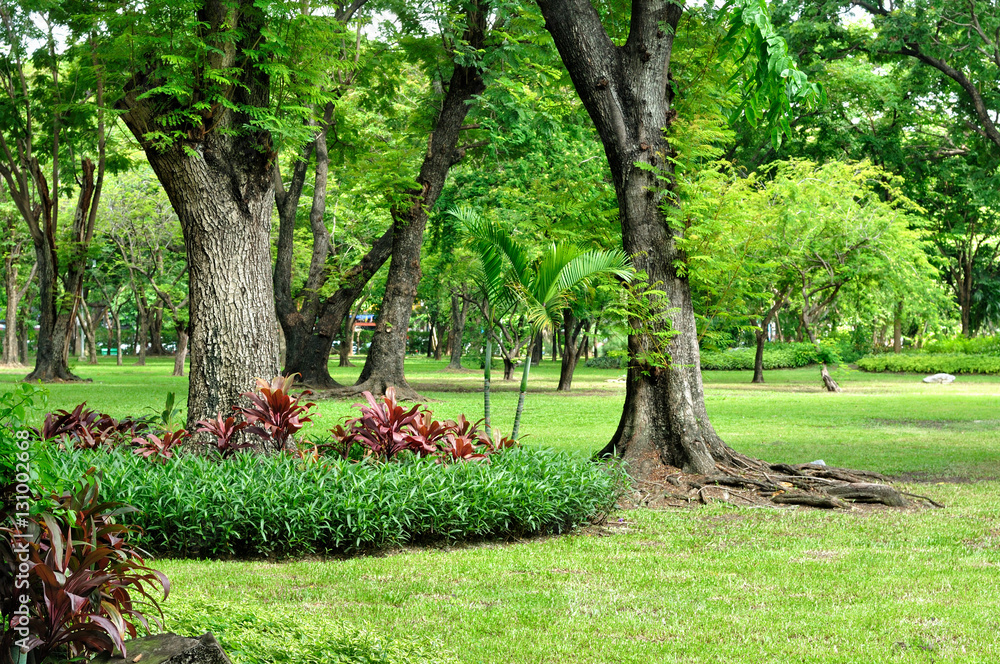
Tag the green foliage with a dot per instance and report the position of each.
(931, 363)
(606, 362)
(17, 408)
(776, 356)
(974, 346)
(639, 310)
(255, 505)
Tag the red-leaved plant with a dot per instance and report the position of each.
(87, 429)
(386, 429)
(225, 431)
(275, 415)
(159, 448)
(88, 586)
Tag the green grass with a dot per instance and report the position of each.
(715, 584)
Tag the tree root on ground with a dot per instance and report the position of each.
(755, 483)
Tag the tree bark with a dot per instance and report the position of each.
(347, 340)
(219, 183)
(311, 323)
(897, 329)
(761, 334)
(572, 349)
(536, 350)
(626, 92)
(458, 317)
(156, 331)
(181, 354)
(14, 296)
(384, 363)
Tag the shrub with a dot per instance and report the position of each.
(606, 362)
(255, 505)
(974, 346)
(386, 429)
(85, 580)
(931, 363)
(274, 414)
(776, 356)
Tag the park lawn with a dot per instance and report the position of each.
(714, 584)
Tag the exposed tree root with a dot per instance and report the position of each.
(377, 387)
(750, 482)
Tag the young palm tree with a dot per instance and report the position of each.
(543, 285)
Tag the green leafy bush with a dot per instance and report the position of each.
(606, 362)
(263, 505)
(931, 363)
(776, 356)
(975, 346)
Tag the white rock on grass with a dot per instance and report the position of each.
(940, 378)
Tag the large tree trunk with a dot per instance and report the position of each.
(156, 331)
(458, 318)
(536, 349)
(220, 185)
(625, 89)
(384, 364)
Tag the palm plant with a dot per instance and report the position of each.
(543, 284)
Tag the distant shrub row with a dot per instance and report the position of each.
(776, 356)
(931, 363)
(279, 505)
(975, 346)
(606, 362)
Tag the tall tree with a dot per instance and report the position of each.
(384, 363)
(626, 90)
(196, 92)
(51, 101)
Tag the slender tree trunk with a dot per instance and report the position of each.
(156, 331)
(761, 334)
(758, 358)
(439, 342)
(458, 317)
(897, 329)
(508, 368)
(141, 326)
(181, 354)
(14, 296)
(22, 341)
(555, 345)
(627, 94)
(572, 348)
(384, 363)
(536, 349)
(347, 340)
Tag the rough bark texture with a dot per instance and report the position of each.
(626, 91)
(664, 425)
(310, 322)
(384, 363)
(219, 183)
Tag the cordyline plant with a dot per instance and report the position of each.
(275, 415)
(159, 448)
(88, 586)
(385, 429)
(87, 429)
(224, 430)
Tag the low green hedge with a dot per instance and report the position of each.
(931, 363)
(776, 356)
(975, 346)
(253, 506)
(606, 362)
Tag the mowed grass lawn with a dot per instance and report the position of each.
(710, 584)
